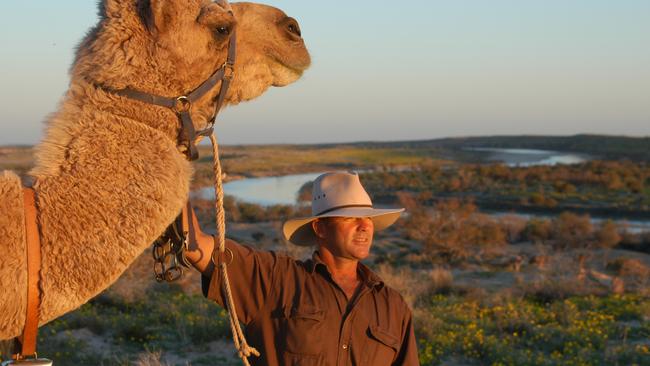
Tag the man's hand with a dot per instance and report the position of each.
(200, 246)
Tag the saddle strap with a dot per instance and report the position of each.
(27, 342)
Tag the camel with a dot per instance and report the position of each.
(109, 176)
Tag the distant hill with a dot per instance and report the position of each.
(599, 146)
(367, 153)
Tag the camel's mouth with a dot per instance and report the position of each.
(284, 75)
(286, 72)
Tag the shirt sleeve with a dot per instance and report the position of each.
(408, 352)
(251, 280)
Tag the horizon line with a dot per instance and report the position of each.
(206, 142)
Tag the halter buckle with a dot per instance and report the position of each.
(228, 70)
(182, 104)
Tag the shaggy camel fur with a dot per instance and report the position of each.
(109, 176)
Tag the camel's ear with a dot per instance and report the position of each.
(159, 15)
(111, 8)
(217, 16)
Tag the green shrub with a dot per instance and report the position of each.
(166, 319)
(575, 331)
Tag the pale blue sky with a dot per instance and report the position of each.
(385, 70)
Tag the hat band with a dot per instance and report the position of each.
(339, 207)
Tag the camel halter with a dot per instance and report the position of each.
(182, 104)
(189, 137)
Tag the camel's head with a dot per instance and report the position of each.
(271, 50)
(169, 47)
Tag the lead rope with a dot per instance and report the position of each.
(243, 349)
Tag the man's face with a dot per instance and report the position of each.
(345, 237)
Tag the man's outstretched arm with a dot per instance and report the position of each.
(200, 246)
(251, 271)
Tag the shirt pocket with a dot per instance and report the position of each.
(303, 330)
(381, 346)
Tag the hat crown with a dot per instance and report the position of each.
(336, 190)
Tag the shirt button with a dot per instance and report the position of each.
(345, 346)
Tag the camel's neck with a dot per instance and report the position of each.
(154, 116)
(107, 186)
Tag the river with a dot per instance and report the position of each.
(530, 157)
(264, 191)
(283, 190)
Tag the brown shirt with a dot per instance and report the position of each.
(295, 314)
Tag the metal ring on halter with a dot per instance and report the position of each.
(182, 104)
(218, 257)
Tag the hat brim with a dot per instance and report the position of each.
(299, 231)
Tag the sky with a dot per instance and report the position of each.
(388, 70)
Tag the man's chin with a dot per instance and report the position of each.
(362, 254)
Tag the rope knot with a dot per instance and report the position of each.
(246, 351)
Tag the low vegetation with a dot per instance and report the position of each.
(477, 298)
(276, 160)
(589, 330)
(599, 146)
(604, 187)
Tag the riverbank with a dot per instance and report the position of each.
(588, 188)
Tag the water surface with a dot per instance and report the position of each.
(265, 191)
(531, 157)
(283, 190)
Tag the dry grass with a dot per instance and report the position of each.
(409, 283)
(412, 284)
(149, 358)
(629, 267)
(513, 226)
(633, 273)
(549, 289)
(441, 280)
(564, 275)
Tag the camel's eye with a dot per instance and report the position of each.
(291, 26)
(223, 30)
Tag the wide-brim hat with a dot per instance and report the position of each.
(337, 194)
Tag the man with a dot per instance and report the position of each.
(330, 310)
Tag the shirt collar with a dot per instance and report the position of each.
(368, 277)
